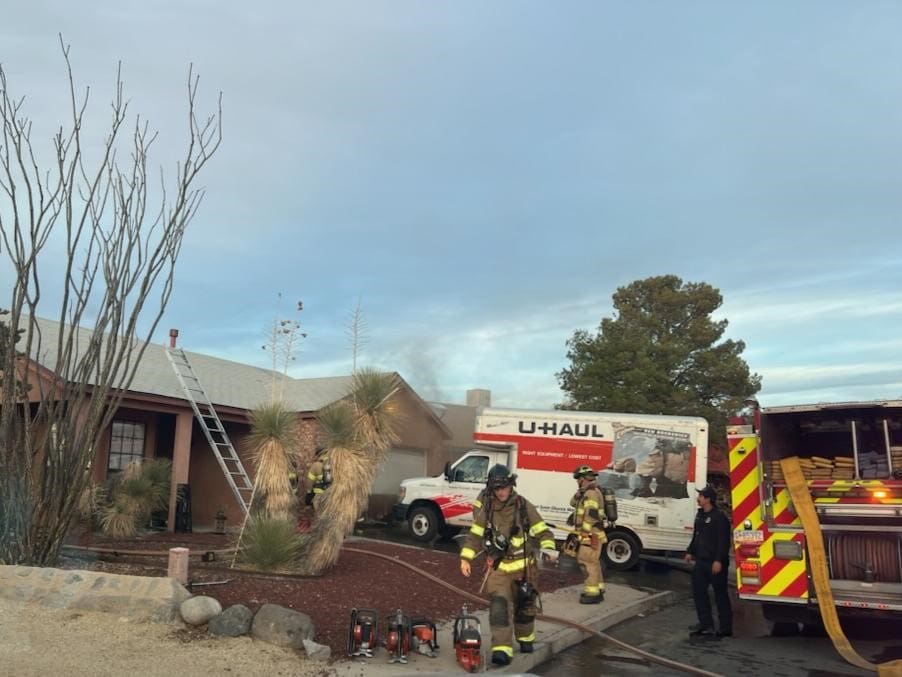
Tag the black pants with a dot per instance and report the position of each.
(702, 577)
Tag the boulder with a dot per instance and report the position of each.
(199, 610)
(283, 627)
(317, 652)
(233, 622)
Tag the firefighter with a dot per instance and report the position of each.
(588, 520)
(507, 527)
(709, 551)
(319, 476)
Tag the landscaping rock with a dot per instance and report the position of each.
(233, 622)
(199, 610)
(317, 652)
(283, 627)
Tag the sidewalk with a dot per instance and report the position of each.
(621, 603)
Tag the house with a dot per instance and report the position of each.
(460, 419)
(155, 420)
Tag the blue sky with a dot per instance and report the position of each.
(484, 175)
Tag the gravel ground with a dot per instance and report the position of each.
(35, 640)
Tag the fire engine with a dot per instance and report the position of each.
(818, 488)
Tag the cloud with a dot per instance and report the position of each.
(489, 196)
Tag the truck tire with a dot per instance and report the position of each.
(622, 551)
(424, 523)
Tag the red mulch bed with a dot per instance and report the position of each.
(357, 580)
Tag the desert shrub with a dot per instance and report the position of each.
(269, 543)
(141, 489)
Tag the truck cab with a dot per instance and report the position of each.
(443, 504)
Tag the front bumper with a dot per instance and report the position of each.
(399, 512)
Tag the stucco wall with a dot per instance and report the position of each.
(417, 428)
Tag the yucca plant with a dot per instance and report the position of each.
(119, 518)
(273, 444)
(359, 431)
(142, 488)
(376, 410)
(90, 502)
(269, 544)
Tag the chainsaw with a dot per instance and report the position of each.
(363, 632)
(424, 637)
(397, 637)
(468, 640)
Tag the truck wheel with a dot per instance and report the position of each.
(424, 521)
(622, 551)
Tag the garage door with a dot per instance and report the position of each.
(400, 464)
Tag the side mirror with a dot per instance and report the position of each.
(448, 470)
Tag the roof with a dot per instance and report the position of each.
(831, 406)
(226, 383)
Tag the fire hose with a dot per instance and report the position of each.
(660, 660)
(817, 562)
(666, 662)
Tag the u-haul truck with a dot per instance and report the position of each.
(652, 463)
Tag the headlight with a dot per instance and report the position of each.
(402, 492)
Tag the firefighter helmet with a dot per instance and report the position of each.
(500, 476)
(584, 471)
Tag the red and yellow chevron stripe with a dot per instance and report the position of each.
(763, 517)
(759, 571)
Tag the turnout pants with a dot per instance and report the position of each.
(702, 577)
(502, 590)
(589, 559)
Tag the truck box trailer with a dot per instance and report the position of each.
(652, 463)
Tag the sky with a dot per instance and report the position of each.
(480, 177)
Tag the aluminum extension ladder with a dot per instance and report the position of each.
(232, 468)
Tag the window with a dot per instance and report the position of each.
(126, 444)
(472, 469)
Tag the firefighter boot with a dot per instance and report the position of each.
(591, 599)
(500, 658)
(525, 647)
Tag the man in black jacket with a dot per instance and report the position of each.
(710, 550)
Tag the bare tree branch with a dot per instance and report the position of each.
(59, 392)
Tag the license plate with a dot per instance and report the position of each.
(748, 536)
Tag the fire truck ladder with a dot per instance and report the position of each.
(235, 474)
(817, 562)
